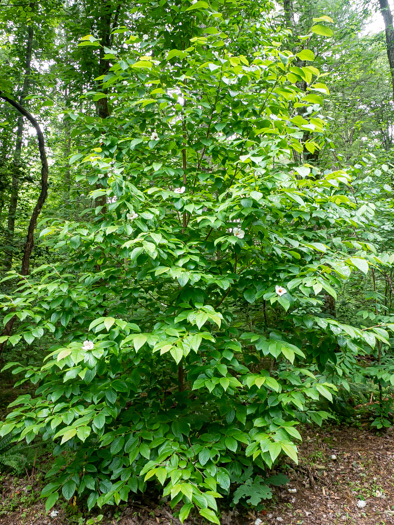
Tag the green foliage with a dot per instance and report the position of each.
(257, 490)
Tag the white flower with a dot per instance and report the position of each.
(132, 216)
(361, 504)
(238, 233)
(54, 513)
(280, 290)
(292, 491)
(88, 345)
(378, 494)
(333, 457)
(258, 522)
(180, 190)
(112, 200)
(154, 136)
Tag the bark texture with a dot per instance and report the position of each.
(389, 29)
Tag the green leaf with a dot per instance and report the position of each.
(323, 391)
(144, 450)
(68, 489)
(99, 420)
(319, 29)
(324, 18)
(293, 432)
(223, 479)
(231, 444)
(143, 64)
(139, 341)
(187, 490)
(68, 435)
(177, 354)
(288, 353)
(291, 451)
(63, 354)
(83, 433)
(250, 295)
(185, 511)
(274, 449)
(29, 338)
(210, 516)
(74, 158)
(307, 55)
(198, 5)
(161, 475)
(108, 322)
(50, 502)
(204, 456)
(361, 264)
(117, 445)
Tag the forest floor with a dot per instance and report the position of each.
(339, 467)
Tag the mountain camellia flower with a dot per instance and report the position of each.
(154, 136)
(180, 190)
(88, 345)
(112, 200)
(132, 216)
(280, 290)
(238, 233)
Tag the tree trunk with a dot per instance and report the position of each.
(29, 244)
(289, 12)
(108, 21)
(388, 24)
(10, 233)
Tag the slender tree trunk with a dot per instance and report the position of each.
(289, 12)
(10, 233)
(29, 244)
(108, 21)
(105, 40)
(67, 134)
(388, 24)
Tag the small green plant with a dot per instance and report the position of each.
(253, 491)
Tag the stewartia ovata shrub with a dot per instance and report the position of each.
(186, 312)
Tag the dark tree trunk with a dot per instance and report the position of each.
(289, 12)
(10, 233)
(388, 24)
(29, 244)
(108, 21)
(330, 305)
